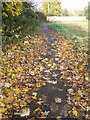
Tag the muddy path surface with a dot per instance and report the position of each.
(54, 94)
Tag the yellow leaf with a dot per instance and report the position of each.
(72, 67)
(9, 70)
(25, 89)
(81, 69)
(3, 110)
(20, 69)
(38, 85)
(4, 59)
(75, 113)
(37, 111)
(52, 44)
(12, 97)
(17, 91)
(43, 61)
(74, 108)
(50, 60)
(34, 97)
(13, 76)
(43, 114)
(39, 102)
(54, 64)
(44, 83)
(35, 69)
(40, 99)
(4, 14)
(63, 77)
(0, 116)
(2, 74)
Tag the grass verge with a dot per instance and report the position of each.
(75, 33)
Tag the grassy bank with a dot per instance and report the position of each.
(69, 29)
(75, 32)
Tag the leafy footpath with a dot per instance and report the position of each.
(74, 67)
(22, 68)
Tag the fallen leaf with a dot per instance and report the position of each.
(63, 77)
(34, 97)
(52, 82)
(34, 94)
(58, 100)
(25, 112)
(17, 91)
(75, 113)
(0, 116)
(40, 102)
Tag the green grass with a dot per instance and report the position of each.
(70, 29)
(81, 26)
(76, 31)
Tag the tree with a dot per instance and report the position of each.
(18, 19)
(78, 12)
(14, 8)
(10, 13)
(86, 11)
(41, 16)
(28, 18)
(51, 8)
(70, 13)
(65, 12)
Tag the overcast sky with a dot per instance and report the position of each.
(69, 4)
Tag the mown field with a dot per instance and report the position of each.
(71, 28)
(80, 26)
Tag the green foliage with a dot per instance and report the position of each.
(86, 12)
(10, 14)
(13, 8)
(65, 12)
(78, 12)
(41, 16)
(28, 18)
(51, 8)
(18, 20)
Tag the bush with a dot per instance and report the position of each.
(41, 16)
(18, 23)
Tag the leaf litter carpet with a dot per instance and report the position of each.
(42, 79)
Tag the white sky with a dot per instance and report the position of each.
(71, 5)
(74, 4)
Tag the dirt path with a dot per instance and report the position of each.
(54, 94)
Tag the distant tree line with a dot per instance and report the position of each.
(53, 8)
